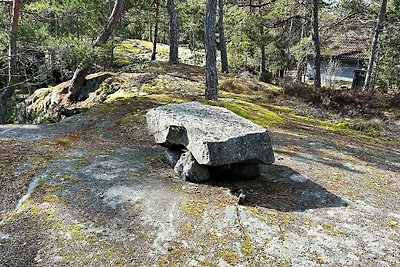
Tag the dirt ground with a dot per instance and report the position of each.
(99, 193)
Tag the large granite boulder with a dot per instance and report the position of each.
(214, 136)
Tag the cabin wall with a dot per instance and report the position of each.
(339, 71)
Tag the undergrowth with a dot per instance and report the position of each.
(346, 102)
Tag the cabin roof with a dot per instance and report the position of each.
(348, 46)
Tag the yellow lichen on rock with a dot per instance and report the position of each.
(194, 207)
(229, 257)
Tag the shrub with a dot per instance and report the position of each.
(372, 127)
(347, 102)
(266, 77)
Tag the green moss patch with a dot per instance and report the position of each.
(253, 112)
(127, 51)
(344, 127)
(119, 96)
(248, 87)
(164, 99)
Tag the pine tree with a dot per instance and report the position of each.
(211, 92)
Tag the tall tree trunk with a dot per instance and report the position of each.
(316, 44)
(262, 47)
(211, 92)
(251, 7)
(12, 50)
(12, 59)
(155, 38)
(222, 39)
(173, 33)
(80, 74)
(263, 65)
(300, 69)
(150, 32)
(374, 46)
(289, 44)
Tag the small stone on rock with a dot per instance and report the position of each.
(241, 199)
(190, 170)
(173, 155)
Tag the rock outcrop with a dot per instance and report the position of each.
(44, 105)
(214, 136)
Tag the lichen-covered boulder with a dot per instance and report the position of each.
(215, 136)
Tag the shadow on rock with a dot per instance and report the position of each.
(280, 188)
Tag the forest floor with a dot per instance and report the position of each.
(100, 193)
